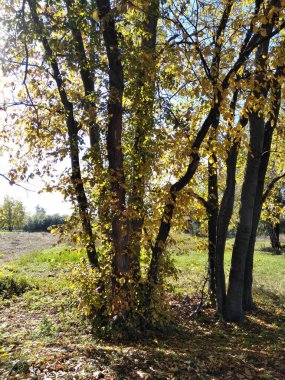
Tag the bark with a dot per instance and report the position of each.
(233, 306)
(212, 212)
(114, 137)
(234, 300)
(224, 216)
(143, 120)
(274, 234)
(248, 303)
(72, 129)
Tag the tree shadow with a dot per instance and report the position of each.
(204, 348)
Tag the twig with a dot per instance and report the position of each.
(11, 182)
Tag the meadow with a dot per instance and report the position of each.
(44, 336)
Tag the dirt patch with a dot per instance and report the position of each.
(16, 244)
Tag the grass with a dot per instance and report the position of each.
(43, 335)
(190, 257)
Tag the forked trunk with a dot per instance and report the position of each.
(233, 306)
(248, 303)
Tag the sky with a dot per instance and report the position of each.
(53, 203)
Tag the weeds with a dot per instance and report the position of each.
(13, 286)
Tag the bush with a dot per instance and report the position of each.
(117, 309)
(13, 286)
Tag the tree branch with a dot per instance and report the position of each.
(11, 183)
(271, 186)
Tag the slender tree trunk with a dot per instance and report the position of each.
(248, 303)
(166, 219)
(72, 129)
(144, 124)
(226, 209)
(212, 214)
(223, 221)
(114, 138)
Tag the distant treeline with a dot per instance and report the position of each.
(41, 223)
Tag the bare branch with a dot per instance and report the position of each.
(11, 183)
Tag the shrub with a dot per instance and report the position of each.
(13, 286)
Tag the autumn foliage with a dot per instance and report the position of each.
(162, 112)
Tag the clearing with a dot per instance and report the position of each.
(43, 336)
(16, 244)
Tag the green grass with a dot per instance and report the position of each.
(43, 329)
(49, 258)
(48, 269)
(190, 257)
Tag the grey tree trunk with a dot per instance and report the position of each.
(234, 300)
(233, 306)
(248, 303)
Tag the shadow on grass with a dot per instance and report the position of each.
(201, 348)
(272, 251)
(204, 348)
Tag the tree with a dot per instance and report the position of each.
(12, 214)
(136, 95)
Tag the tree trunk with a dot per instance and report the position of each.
(212, 214)
(143, 121)
(274, 232)
(167, 215)
(233, 306)
(248, 303)
(226, 208)
(72, 130)
(114, 138)
(234, 299)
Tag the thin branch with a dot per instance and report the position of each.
(12, 182)
(271, 186)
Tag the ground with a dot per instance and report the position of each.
(15, 244)
(43, 335)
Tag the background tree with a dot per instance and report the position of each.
(12, 214)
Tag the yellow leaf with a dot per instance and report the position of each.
(95, 16)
